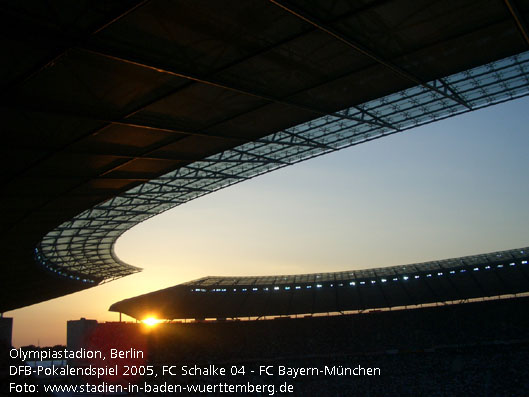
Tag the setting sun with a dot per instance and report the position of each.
(151, 321)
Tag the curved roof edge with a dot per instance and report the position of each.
(371, 273)
(83, 248)
(477, 276)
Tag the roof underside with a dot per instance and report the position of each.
(99, 97)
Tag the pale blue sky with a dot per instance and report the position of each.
(456, 187)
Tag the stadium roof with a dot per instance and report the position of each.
(99, 98)
(477, 276)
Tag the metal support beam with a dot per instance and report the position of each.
(361, 49)
(402, 284)
(375, 117)
(381, 289)
(518, 19)
(112, 120)
(449, 280)
(165, 69)
(68, 45)
(425, 281)
(449, 90)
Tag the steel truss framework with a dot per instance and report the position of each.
(473, 263)
(82, 248)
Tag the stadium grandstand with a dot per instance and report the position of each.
(476, 348)
(458, 279)
(116, 111)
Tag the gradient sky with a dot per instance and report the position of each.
(452, 188)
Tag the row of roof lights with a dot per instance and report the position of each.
(353, 283)
(58, 270)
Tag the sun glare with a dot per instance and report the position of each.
(151, 321)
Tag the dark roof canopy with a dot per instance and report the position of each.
(477, 276)
(98, 97)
